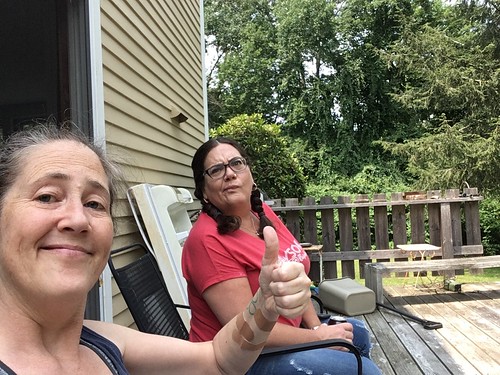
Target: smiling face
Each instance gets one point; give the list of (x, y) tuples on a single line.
[(55, 223), (231, 193)]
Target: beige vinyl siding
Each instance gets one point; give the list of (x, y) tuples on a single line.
[(152, 64)]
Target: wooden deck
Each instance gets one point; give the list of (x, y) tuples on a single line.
[(468, 343)]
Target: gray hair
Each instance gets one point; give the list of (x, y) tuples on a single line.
[(16, 147)]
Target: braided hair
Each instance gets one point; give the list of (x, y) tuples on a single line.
[(225, 223)]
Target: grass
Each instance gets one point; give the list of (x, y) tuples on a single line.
[(489, 275)]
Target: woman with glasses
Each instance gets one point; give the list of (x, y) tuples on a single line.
[(221, 262)]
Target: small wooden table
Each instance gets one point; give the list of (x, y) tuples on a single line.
[(422, 249)]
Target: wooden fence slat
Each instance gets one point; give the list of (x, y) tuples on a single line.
[(381, 224), (363, 228), (456, 221), (311, 234), (346, 236), (293, 217), (434, 219), (328, 236), (398, 224), (471, 213), (417, 226), (446, 236)]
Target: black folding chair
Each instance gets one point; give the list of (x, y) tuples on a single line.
[(154, 311)]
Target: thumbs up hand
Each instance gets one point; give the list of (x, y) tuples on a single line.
[(285, 286)]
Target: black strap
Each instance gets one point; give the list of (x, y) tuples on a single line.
[(427, 324)]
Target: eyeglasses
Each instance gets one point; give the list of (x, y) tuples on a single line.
[(218, 171)]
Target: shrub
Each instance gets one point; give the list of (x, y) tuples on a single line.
[(275, 169), (489, 217)]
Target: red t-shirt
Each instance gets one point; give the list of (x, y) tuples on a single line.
[(209, 258)]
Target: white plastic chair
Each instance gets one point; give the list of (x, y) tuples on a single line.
[(160, 212)]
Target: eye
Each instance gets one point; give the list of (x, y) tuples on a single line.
[(236, 162), (45, 198), (215, 169), (95, 205)]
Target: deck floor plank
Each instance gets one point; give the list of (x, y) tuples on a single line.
[(377, 354), (473, 343), (451, 358), (468, 343), (441, 350), (400, 360)]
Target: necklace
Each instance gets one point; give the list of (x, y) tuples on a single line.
[(252, 230)]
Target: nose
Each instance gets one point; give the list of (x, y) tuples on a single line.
[(74, 217), (228, 173)]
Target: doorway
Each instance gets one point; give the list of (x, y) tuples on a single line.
[(45, 71)]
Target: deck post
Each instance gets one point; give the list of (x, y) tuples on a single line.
[(373, 280)]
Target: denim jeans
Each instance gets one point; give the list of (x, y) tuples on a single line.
[(321, 361)]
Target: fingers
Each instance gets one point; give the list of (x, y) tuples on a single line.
[(290, 288), (292, 306), (340, 331), (285, 285), (271, 254)]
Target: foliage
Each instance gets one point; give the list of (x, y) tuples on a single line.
[(371, 179), (450, 157), (275, 169), (452, 82), (489, 213)]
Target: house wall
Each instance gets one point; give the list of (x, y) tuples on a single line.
[(152, 69)]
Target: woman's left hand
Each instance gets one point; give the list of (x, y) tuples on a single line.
[(285, 286)]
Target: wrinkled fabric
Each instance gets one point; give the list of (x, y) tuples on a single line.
[(322, 361)]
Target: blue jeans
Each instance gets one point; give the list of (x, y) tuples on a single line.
[(321, 361)]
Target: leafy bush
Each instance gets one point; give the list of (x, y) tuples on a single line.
[(370, 180), (275, 169), (489, 217)]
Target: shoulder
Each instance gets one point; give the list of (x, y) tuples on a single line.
[(203, 226)]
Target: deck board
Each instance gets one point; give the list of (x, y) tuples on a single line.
[(468, 343)]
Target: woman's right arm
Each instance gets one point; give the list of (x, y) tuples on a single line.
[(227, 298)]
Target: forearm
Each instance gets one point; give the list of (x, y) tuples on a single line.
[(310, 317), (238, 344)]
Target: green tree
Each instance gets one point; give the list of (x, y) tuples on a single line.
[(316, 68), (242, 80), (452, 83), (275, 170)]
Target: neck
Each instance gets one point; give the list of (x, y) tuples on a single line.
[(250, 224)]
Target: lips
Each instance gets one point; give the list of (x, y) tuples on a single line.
[(231, 187), (66, 247)]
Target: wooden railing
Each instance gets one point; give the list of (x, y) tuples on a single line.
[(371, 229)]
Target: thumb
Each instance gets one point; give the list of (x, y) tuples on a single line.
[(272, 244)]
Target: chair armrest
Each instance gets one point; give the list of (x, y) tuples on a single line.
[(267, 352)]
